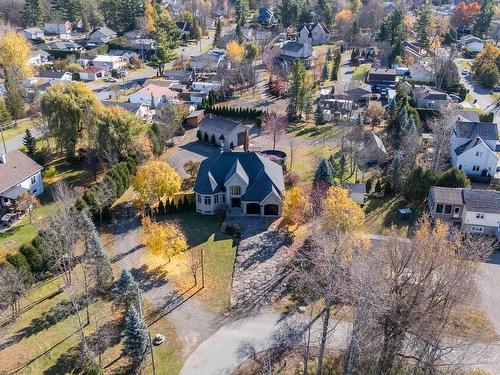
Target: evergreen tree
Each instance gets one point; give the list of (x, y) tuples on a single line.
[(32, 13), (396, 171), (217, 35), (320, 120), (239, 34), (129, 12), (329, 56), (483, 19), (451, 35), (97, 258), (323, 175), (422, 24), (13, 97), (135, 336), (378, 187), (304, 13), (324, 72), (242, 8), (300, 90), (417, 185), (287, 13), (4, 113), (196, 32), (392, 28), (125, 290), (58, 9), (30, 143)]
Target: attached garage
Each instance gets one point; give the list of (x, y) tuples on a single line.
[(271, 210), (253, 209)]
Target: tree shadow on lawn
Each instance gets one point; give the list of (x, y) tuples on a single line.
[(149, 279)]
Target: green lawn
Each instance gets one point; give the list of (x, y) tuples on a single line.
[(381, 214), (14, 130), (359, 72)]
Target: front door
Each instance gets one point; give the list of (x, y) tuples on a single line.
[(235, 203), (456, 212)]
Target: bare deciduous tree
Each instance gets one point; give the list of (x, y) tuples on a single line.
[(274, 126)]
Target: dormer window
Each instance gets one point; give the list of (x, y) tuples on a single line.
[(235, 190)]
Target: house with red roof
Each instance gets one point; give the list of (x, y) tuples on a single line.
[(91, 73)]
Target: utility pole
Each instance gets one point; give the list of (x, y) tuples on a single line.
[(202, 268), (139, 302), (3, 139)]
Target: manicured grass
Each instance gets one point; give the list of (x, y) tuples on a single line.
[(464, 64), (359, 72), (13, 130), (203, 235), (381, 214)]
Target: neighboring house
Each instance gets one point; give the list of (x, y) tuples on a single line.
[(266, 17), (314, 34), (221, 132), (101, 35), (61, 46), (139, 109), (374, 150), (153, 95), (412, 52), (143, 45), (54, 76), (91, 73), (185, 27), (57, 27), (241, 182), (426, 97), (326, 93), (18, 174), (472, 43), (109, 62), (208, 61), (474, 147), (197, 97), (33, 33), (473, 210), (38, 57), (357, 192), (421, 73), (185, 77), (381, 78), (357, 92), (195, 117), (292, 51), (206, 87)]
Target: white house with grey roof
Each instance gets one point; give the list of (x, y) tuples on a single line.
[(474, 147), (473, 210), (245, 183), (19, 174), (427, 97), (314, 34), (101, 35), (221, 132), (292, 51)]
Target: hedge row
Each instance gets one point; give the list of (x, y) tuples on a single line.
[(249, 113), (33, 260), (99, 198), (172, 206)]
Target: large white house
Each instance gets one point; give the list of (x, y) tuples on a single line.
[(474, 210), (18, 174), (474, 147), (109, 62), (244, 183), (153, 95)]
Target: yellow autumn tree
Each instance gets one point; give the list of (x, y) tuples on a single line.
[(341, 212), (14, 52), (235, 52), (155, 180), (294, 205), (150, 15), (163, 239)]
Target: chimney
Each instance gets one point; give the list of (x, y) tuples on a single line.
[(3, 158)]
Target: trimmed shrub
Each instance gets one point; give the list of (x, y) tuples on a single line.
[(33, 258)]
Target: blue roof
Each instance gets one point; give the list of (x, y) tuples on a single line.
[(260, 173)]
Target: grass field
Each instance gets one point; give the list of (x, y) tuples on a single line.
[(359, 72), (15, 130)]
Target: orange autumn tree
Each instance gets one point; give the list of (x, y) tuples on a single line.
[(163, 239), (155, 180), (341, 212), (464, 14)]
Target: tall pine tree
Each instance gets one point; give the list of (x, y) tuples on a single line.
[(483, 19), (323, 174), (32, 13), (30, 143), (217, 35), (135, 336), (324, 72), (125, 290), (422, 24)]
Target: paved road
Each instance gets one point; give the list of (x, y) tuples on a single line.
[(485, 101), (16, 142)]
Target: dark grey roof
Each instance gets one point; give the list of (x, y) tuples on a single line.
[(184, 26), (263, 175), (487, 201), (51, 74), (310, 27), (471, 130), (379, 74), (292, 47), (447, 195), (466, 115), (106, 31), (130, 107), (468, 145), (195, 113), (220, 124), (355, 188), (178, 74)]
